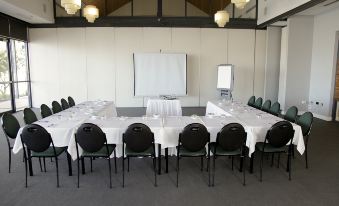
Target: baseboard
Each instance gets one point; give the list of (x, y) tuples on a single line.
[(323, 117)]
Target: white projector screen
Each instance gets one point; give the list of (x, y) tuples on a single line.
[(225, 77), (157, 74)]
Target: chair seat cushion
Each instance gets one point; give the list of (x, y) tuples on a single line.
[(101, 153), (49, 152), (269, 148), (185, 152), (220, 151), (147, 152)]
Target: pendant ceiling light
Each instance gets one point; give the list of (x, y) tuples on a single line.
[(240, 4), (71, 6), (91, 13), (221, 18)]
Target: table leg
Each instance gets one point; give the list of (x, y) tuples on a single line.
[(30, 162), (83, 165), (69, 160), (166, 156), (159, 159)]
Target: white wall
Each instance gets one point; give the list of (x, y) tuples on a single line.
[(324, 49), (268, 9), (32, 11), (97, 63)]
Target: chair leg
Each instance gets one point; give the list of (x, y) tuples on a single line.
[(278, 161), (202, 163), (127, 164), (123, 170), (261, 165), (40, 164), (177, 170), (91, 164), (110, 172), (57, 169), (26, 172), (209, 166), (232, 163), (306, 158), (289, 166), (44, 159), (51, 159), (243, 158), (155, 171), (115, 161), (213, 175), (272, 160), (78, 163), (9, 160)]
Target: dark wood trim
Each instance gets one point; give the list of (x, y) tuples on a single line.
[(291, 12), (190, 22)]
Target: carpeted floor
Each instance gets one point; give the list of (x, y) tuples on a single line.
[(318, 185)]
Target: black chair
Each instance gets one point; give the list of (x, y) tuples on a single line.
[(231, 142), (266, 106), (291, 114), (93, 142), (306, 121), (56, 107), (251, 101), (11, 127), (277, 137), (36, 142), (138, 141), (71, 101), (275, 109), (29, 116), (64, 104), (192, 143), (45, 111), (258, 103)]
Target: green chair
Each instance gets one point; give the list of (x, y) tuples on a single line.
[(29, 116), (71, 101), (192, 143), (138, 141), (37, 142), (251, 101), (56, 107), (266, 106), (277, 137), (11, 127), (45, 111), (230, 142), (64, 104), (258, 103), (291, 114), (275, 109), (305, 121), (93, 142)]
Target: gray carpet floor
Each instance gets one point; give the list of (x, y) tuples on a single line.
[(318, 185)]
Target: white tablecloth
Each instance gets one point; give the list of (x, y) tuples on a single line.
[(62, 125), (255, 122), (163, 107)]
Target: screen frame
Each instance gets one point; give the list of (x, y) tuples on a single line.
[(232, 78)]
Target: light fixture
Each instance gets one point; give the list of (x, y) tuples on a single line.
[(71, 6), (221, 18), (91, 13), (240, 4)]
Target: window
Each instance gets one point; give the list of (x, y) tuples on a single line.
[(14, 76)]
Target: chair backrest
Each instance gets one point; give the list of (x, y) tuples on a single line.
[(291, 114), (305, 121), (266, 106), (275, 109), (64, 104), (251, 101), (138, 137), (232, 137), (258, 103), (280, 134), (194, 137), (90, 137), (71, 101), (29, 116), (36, 138), (10, 125), (56, 107), (45, 111)]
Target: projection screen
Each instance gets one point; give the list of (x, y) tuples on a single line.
[(157, 74)]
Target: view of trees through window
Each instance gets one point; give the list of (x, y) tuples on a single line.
[(14, 78)]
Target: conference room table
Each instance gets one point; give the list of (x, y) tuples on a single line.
[(61, 126)]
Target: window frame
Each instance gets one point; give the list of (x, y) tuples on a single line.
[(12, 82)]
